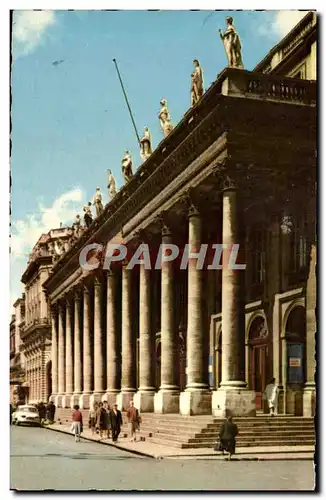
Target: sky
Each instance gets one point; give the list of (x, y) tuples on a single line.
[(70, 122)]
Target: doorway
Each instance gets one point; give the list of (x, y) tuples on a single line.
[(260, 363)]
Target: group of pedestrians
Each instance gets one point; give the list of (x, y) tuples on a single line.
[(106, 421), (46, 412)]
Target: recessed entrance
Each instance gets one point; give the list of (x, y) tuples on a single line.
[(260, 359)]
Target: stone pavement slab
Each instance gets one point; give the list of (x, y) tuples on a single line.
[(159, 451)]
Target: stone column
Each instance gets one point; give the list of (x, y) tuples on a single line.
[(87, 352), (232, 397), (309, 394), (112, 373), (99, 355), (54, 354), (66, 400), (166, 400), (196, 399), (128, 379), (78, 366), (61, 355), (144, 399)]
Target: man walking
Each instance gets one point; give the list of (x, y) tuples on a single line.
[(271, 394), (133, 421), (116, 422), (228, 433)]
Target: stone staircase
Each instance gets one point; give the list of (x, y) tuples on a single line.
[(201, 431)]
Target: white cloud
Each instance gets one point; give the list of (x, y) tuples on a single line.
[(280, 23), (30, 27), (286, 20), (25, 233)]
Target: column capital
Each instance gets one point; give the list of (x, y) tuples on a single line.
[(53, 310), (228, 183), (77, 294)]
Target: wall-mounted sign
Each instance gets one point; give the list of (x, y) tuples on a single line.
[(295, 362)]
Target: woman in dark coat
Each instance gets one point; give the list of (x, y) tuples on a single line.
[(101, 419), (228, 432)]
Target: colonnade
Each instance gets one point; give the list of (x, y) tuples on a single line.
[(92, 344)]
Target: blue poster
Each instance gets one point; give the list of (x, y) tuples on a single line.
[(295, 363)]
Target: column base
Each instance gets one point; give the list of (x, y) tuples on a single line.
[(75, 399), (123, 400), (196, 402), (144, 401), (230, 401), (309, 401), (84, 400), (96, 397), (66, 401), (110, 397), (166, 401)]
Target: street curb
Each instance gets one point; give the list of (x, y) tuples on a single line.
[(136, 452), (188, 457)]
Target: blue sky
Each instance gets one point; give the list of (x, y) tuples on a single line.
[(70, 122)]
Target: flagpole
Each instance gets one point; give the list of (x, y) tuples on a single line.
[(127, 102)]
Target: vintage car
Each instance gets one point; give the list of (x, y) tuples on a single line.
[(26, 414)]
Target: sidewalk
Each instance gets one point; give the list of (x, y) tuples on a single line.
[(153, 450)]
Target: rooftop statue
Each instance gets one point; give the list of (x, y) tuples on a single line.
[(98, 202), (146, 145), (232, 44), (127, 167), (60, 247), (88, 217), (112, 185), (197, 83), (77, 227), (164, 117)]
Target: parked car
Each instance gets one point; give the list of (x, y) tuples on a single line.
[(26, 414)]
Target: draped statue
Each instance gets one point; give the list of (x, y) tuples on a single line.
[(232, 44), (146, 145), (97, 202), (197, 83), (112, 185), (127, 167), (164, 117)]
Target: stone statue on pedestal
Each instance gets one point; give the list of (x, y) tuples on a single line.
[(127, 167), (60, 247), (164, 117), (77, 227), (112, 186), (197, 83), (232, 44), (88, 218), (98, 202), (146, 145)]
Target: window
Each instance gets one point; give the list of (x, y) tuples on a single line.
[(257, 251), (300, 72), (298, 246)]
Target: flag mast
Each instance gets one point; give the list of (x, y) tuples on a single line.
[(127, 102)]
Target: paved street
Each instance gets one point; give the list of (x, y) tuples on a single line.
[(43, 459)]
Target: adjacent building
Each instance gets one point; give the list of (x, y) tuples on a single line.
[(17, 359)]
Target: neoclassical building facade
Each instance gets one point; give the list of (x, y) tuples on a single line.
[(239, 169)]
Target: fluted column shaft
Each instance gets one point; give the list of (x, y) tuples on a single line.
[(61, 350), (87, 355), (54, 353), (146, 382), (233, 314), (168, 332), (195, 330), (78, 373), (69, 349), (111, 335), (98, 340), (128, 379)]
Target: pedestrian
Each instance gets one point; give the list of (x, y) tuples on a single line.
[(42, 411), (116, 422), (100, 418), (271, 394), (107, 424), (228, 432), (133, 421), (77, 423), (92, 418), (50, 411)]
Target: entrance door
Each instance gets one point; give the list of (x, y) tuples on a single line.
[(259, 373), (259, 362)]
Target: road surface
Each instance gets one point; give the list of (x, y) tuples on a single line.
[(46, 460)]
